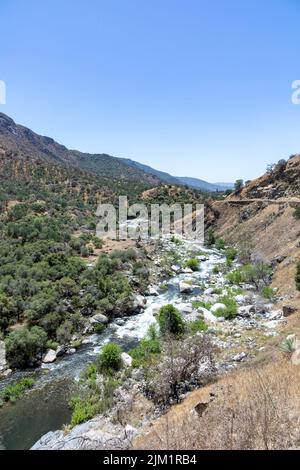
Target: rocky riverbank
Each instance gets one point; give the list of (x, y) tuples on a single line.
[(198, 295)]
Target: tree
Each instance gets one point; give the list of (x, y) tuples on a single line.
[(170, 321), (24, 347), (238, 185), (109, 360)]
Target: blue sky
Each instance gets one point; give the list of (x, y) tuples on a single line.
[(197, 88)]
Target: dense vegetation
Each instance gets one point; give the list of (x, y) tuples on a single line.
[(47, 227)]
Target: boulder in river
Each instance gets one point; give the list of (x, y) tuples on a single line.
[(185, 288), (153, 291), (139, 302), (61, 351), (99, 318), (50, 357)]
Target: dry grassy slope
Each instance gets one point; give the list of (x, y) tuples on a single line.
[(256, 407), (262, 215)]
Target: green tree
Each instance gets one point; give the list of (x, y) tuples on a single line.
[(23, 347), (238, 185), (170, 321), (109, 360)]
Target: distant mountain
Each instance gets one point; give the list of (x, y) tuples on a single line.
[(194, 183), (25, 143), (166, 177), (225, 185), (199, 184)]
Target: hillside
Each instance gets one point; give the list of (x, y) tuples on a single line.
[(20, 140), (194, 183), (261, 218), (26, 143)]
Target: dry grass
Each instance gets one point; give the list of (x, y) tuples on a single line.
[(258, 408)]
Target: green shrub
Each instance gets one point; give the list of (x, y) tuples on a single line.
[(297, 213), (15, 391), (198, 325), (235, 277), (220, 244), (148, 348), (211, 240), (176, 240), (216, 269), (82, 411), (269, 293), (217, 291), (24, 346), (230, 254), (193, 264), (170, 321), (109, 360), (199, 303), (99, 328), (231, 308)]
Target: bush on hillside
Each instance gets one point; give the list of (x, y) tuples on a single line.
[(23, 347), (109, 360), (170, 321)]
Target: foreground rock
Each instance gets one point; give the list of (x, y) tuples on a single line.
[(97, 434)]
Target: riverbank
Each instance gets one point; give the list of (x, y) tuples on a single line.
[(237, 341)]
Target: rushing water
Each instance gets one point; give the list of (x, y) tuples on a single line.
[(45, 407)]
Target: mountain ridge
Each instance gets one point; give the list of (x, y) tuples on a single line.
[(25, 142)]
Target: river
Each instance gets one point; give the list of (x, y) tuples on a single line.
[(45, 407)]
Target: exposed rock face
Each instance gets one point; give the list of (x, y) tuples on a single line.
[(97, 434), (3, 363)]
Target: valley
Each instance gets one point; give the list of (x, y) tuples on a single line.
[(103, 343)]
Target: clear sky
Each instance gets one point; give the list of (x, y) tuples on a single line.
[(197, 88)]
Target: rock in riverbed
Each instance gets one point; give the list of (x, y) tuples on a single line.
[(99, 318), (185, 288), (49, 357)]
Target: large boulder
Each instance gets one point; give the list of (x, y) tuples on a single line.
[(246, 311), (139, 302), (153, 291), (207, 315), (99, 318), (185, 288), (126, 359), (50, 357), (97, 434), (217, 307)]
